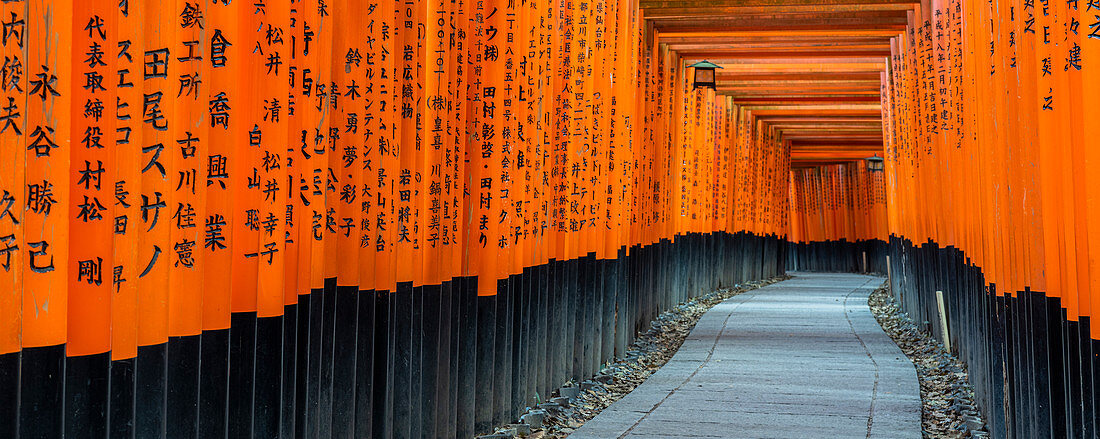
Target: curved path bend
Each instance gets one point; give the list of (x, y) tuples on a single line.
[(803, 358)]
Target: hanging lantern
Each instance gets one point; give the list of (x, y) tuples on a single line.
[(874, 163), (704, 74)]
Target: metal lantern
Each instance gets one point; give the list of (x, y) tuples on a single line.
[(704, 74), (874, 163)]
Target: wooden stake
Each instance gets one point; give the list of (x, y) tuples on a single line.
[(890, 277), (943, 321)]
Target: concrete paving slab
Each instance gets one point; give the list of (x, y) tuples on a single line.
[(803, 358)]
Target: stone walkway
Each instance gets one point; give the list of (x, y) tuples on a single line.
[(803, 358)]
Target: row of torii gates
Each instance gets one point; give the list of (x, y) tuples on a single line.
[(415, 218)]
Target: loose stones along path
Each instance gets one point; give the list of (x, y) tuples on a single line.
[(802, 358)]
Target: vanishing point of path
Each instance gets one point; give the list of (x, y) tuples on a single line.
[(803, 358)]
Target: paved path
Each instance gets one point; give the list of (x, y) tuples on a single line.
[(803, 358)]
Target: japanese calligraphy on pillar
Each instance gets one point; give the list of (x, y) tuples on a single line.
[(46, 216), (91, 179), (13, 129)]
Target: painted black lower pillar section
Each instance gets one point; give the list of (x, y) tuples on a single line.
[(344, 356), (9, 394), (429, 360), (288, 383), (484, 367), (310, 396), (151, 391), (182, 398), (41, 387), (1094, 358), (1071, 353), (467, 394), (242, 361), (402, 367), (541, 308), (365, 364), (502, 362), (302, 388), (416, 353), (120, 419), (268, 377), (574, 316), (1085, 355), (87, 379), (382, 388), (444, 402), (213, 384), (328, 338)]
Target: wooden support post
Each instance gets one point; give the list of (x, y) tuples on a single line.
[(943, 321), (890, 278)]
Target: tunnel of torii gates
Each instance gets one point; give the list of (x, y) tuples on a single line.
[(336, 218)]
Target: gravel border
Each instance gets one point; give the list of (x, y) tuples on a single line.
[(946, 397)]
